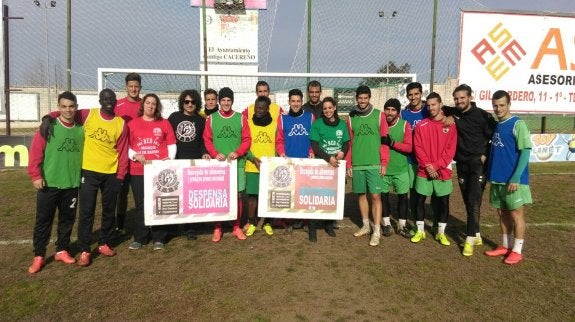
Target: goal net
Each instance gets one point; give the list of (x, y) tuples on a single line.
[(168, 84)]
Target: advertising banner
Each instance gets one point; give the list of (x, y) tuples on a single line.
[(301, 188), (188, 191), (532, 56), (552, 147)]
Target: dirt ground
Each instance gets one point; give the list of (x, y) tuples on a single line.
[(287, 278)]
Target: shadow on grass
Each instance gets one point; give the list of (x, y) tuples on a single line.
[(456, 228)]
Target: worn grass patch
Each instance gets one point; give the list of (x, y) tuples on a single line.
[(287, 278)]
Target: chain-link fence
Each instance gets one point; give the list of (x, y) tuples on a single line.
[(345, 37)]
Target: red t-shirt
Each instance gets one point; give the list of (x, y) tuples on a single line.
[(434, 145), (150, 138), (127, 110)]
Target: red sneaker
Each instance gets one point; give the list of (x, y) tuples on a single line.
[(106, 250), (37, 265), (217, 236), (84, 259), (64, 256), (513, 258), (238, 233), (499, 251)]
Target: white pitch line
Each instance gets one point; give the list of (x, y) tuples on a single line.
[(543, 224), (341, 226)]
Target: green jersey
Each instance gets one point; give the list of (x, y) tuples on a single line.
[(227, 134), (397, 160), (62, 164), (330, 138), (366, 138)]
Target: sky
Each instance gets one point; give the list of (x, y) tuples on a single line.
[(347, 36)]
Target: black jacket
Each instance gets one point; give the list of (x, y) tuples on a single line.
[(316, 110), (474, 131)]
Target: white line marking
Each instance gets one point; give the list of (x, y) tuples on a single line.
[(552, 173), (341, 226)]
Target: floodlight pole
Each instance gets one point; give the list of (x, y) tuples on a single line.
[(69, 45), (52, 5), (308, 56), (205, 40), (385, 19), (6, 48), (47, 56), (433, 38)]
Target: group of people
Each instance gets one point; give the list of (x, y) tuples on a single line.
[(75, 154)]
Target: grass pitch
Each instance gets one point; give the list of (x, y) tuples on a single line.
[(287, 278)]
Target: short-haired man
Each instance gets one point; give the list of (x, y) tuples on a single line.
[(313, 104), (127, 108), (227, 137), (366, 126), (263, 128), (508, 173), (474, 131), (434, 146), (400, 145), (263, 89), (292, 138), (55, 167), (415, 112), (211, 99)]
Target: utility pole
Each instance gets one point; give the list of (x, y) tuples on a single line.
[(6, 48)]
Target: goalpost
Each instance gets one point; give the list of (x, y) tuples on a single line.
[(167, 84)]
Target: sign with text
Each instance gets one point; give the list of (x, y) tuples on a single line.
[(232, 38), (531, 56), (552, 147), (301, 188), (188, 191)]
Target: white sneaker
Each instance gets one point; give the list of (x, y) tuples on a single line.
[(362, 231), (374, 241)]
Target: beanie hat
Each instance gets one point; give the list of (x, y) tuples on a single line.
[(226, 92), (393, 103)]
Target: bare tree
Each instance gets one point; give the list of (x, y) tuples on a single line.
[(389, 68)]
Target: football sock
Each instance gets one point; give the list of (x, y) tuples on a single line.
[(505, 240), (365, 222), (441, 228), (420, 225), (402, 223), (386, 221), (518, 247)]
